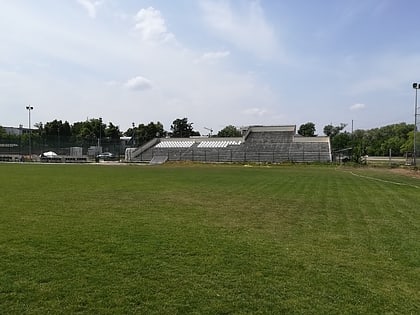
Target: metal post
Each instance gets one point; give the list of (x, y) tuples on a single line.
[(390, 157), (416, 86), (29, 108), (20, 141), (100, 135), (134, 135), (58, 139)]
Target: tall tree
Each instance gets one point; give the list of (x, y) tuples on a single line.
[(57, 127), (408, 145), (112, 132), (229, 131), (144, 133), (331, 131), (181, 128), (341, 141), (3, 133), (307, 130), (89, 130)]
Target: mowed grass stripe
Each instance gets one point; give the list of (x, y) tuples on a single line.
[(206, 239)]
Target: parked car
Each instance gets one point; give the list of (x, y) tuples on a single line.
[(106, 156)]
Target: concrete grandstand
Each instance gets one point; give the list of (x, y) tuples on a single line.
[(264, 144)]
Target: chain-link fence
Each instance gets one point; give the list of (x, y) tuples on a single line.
[(34, 145), (235, 155)]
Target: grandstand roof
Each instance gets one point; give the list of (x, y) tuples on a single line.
[(289, 128)]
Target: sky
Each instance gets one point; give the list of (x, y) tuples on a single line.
[(215, 62)]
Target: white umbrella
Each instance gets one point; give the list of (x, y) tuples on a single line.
[(49, 154)]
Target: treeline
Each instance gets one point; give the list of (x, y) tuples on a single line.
[(63, 134), (85, 133), (397, 138), (92, 132)]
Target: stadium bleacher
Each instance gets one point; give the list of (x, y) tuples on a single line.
[(266, 144), (217, 144), (175, 144)]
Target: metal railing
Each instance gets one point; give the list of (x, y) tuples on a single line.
[(234, 156)]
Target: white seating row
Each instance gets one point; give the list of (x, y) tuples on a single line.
[(175, 144), (217, 144)]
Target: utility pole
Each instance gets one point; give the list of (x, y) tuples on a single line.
[(29, 108), (416, 86), (100, 135), (134, 134), (211, 131)]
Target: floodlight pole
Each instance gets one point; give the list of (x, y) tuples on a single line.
[(100, 134), (416, 86), (134, 135), (29, 108)]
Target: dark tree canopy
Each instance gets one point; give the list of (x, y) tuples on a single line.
[(89, 130), (307, 130), (181, 128), (397, 137), (229, 131), (377, 142), (144, 133), (2, 132), (57, 127), (341, 141), (156, 130), (331, 131), (112, 132)]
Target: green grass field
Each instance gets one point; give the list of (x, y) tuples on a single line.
[(208, 239)]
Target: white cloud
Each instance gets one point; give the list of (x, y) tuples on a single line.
[(357, 106), (212, 57), (151, 25), (211, 96), (138, 83), (90, 7), (247, 29)]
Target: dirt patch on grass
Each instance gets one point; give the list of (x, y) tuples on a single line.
[(406, 172)]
